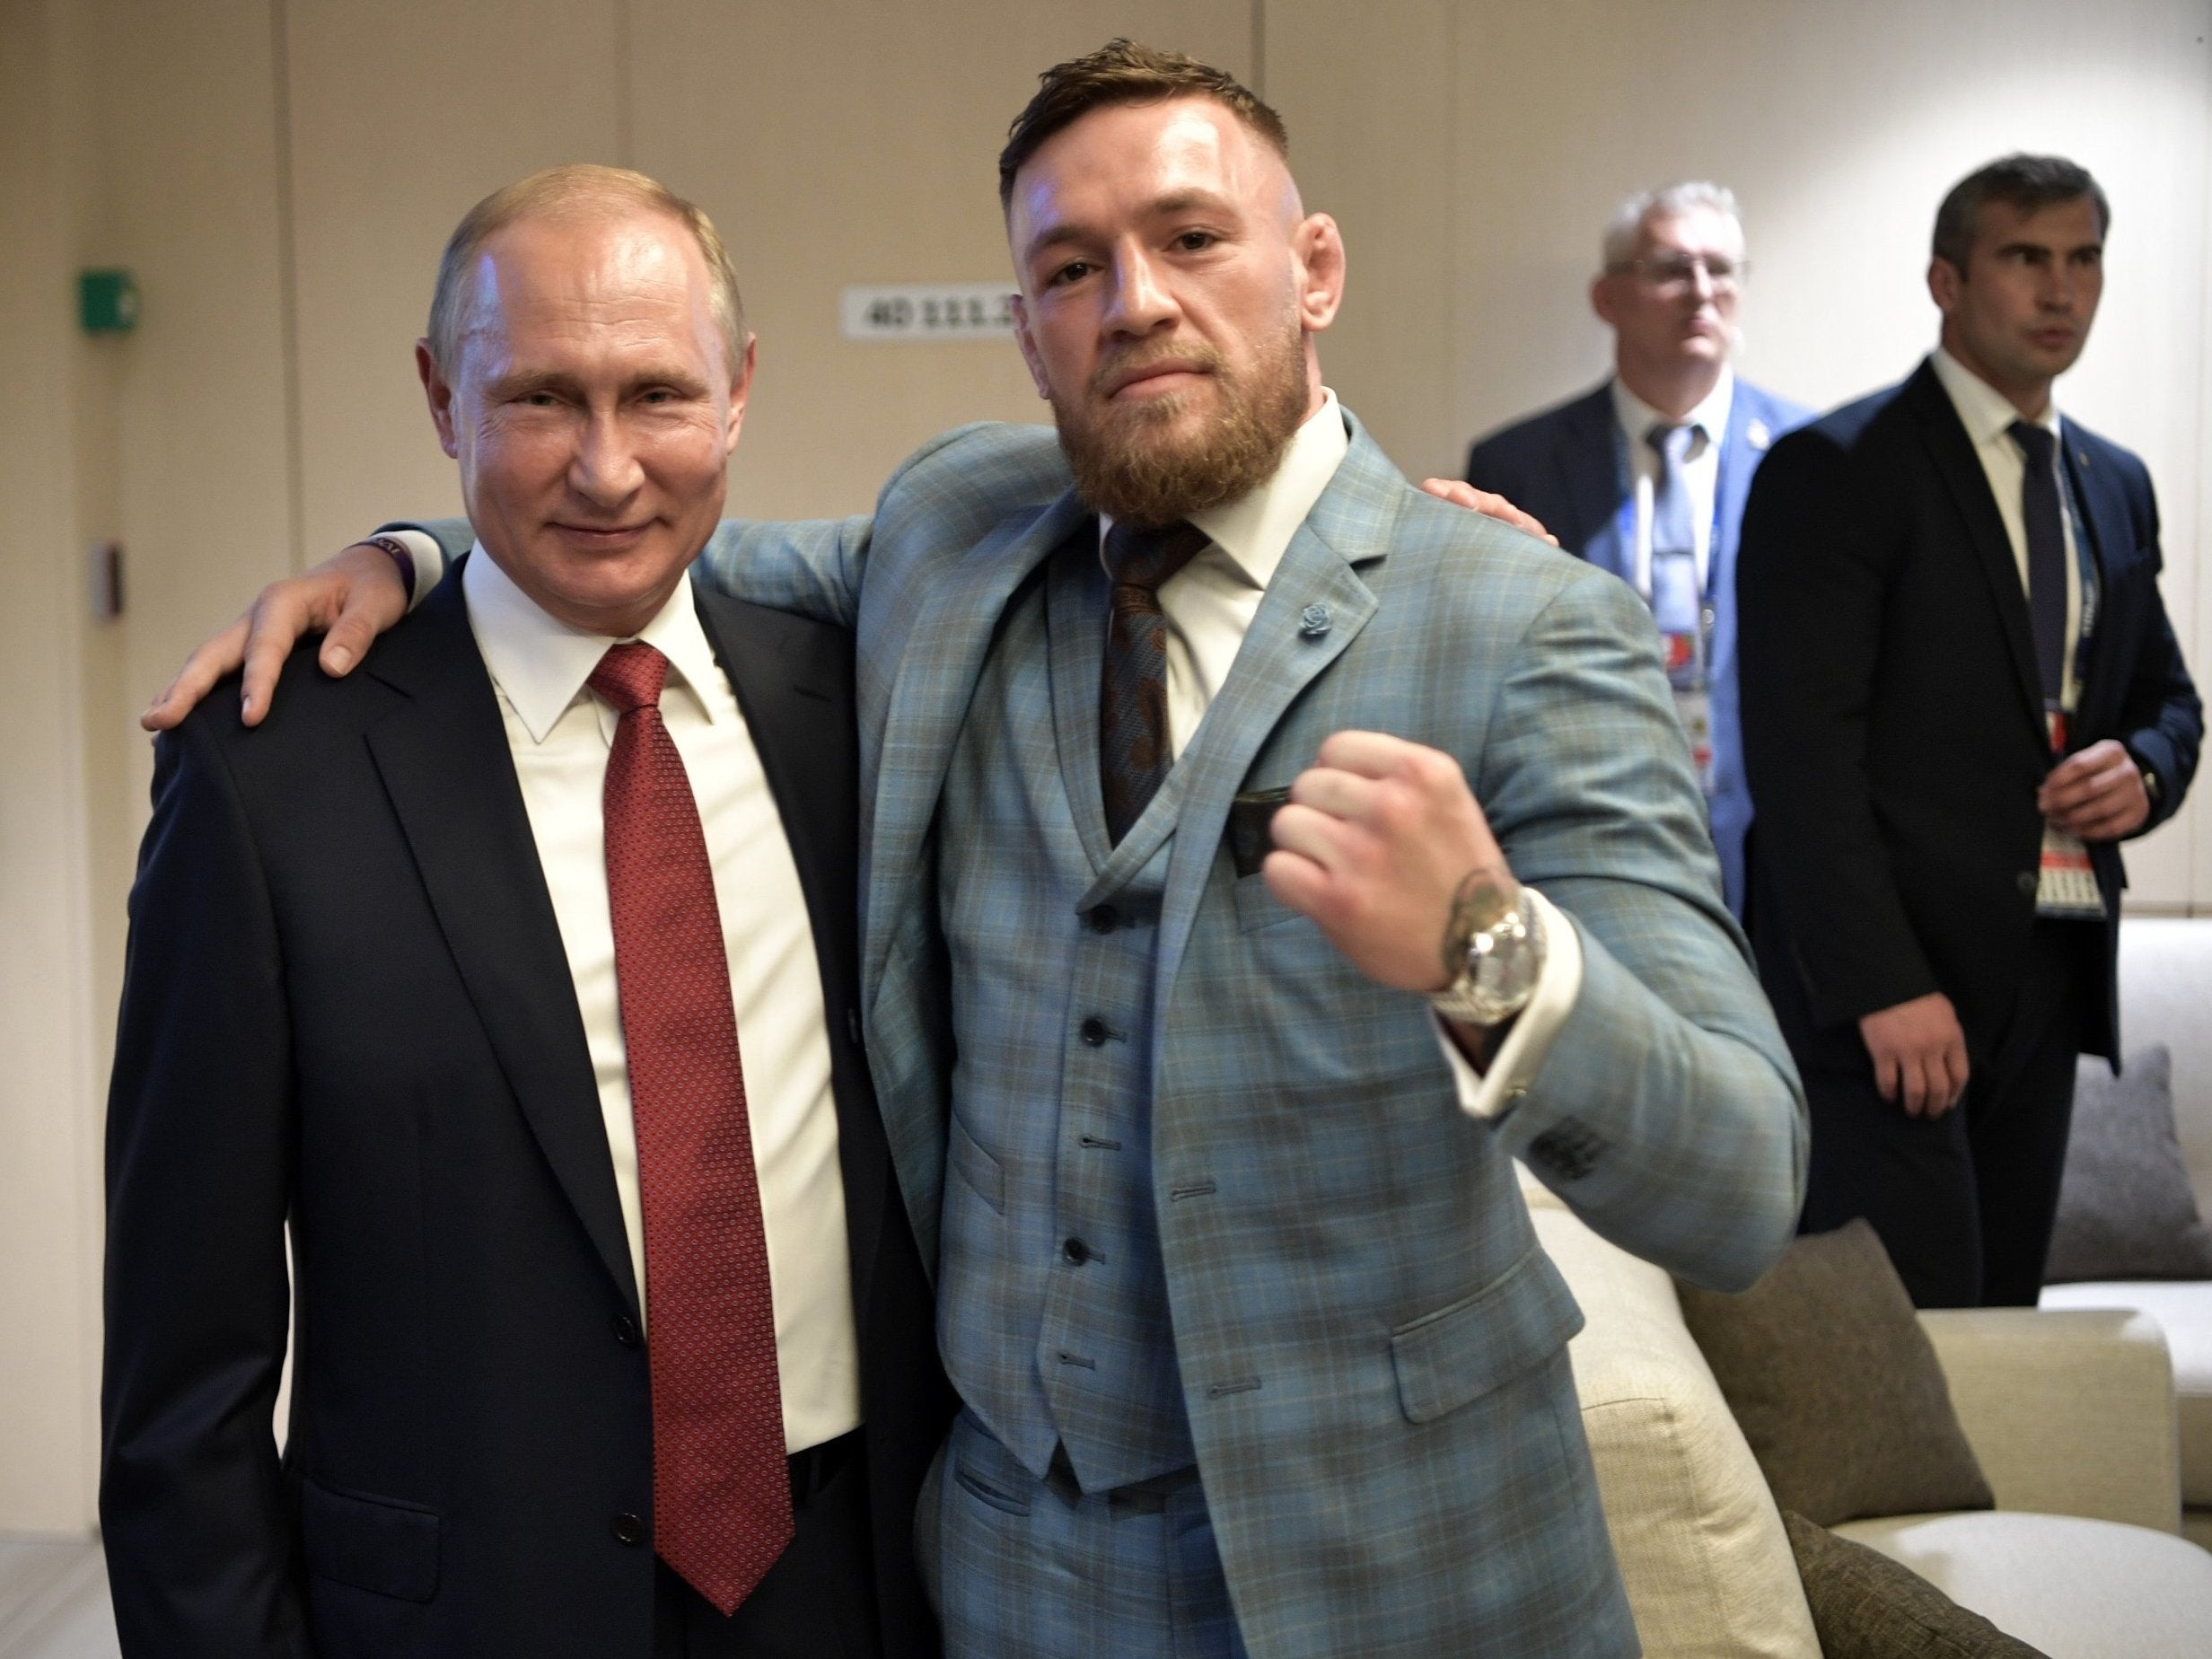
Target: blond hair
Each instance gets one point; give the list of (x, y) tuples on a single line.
[(580, 188)]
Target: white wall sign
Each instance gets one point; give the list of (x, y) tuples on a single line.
[(929, 310)]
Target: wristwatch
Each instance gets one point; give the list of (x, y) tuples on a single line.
[(1495, 940)]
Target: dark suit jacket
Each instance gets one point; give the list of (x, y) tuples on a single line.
[(347, 1008), (1564, 466), (1892, 717)]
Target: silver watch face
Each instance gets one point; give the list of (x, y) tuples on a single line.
[(1504, 974), (1503, 963)]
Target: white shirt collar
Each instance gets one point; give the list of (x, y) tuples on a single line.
[(1637, 418), (1986, 413), (541, 664), (1256, 528)]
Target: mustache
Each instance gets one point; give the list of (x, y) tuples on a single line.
[(1135, 359)]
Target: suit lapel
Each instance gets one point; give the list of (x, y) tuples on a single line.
[(938, 666), (1589, 462), (445, 764), (1968, 485), (1742, 448), (797, 694), (1314, 607), (2105, 520), (1075, 609)]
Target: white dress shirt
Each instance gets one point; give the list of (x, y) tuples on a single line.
[(1209, 605), (1700, 467), (1988, 414), (560, 732)]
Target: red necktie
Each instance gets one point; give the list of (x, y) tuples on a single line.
[(721, 1486)]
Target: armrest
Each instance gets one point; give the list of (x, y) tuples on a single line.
[(2070, 1412)]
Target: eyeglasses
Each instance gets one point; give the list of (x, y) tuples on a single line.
[(1675, 272)]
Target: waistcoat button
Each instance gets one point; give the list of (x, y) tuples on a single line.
[(628, 1529), (1076, 1251), (1094, 1030)]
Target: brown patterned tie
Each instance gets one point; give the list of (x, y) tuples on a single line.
[(1134, 750), (721, 1484)]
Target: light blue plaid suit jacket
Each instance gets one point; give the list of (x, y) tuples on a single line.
[(1371, 1342)]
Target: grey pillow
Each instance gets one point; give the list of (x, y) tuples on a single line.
[(2126, 1210), (1867, 1606), (1836, 1386)]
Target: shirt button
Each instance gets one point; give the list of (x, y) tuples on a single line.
[(1094, 1031), (1105, 918), (626, 1330), (628, 1529), (1076, 1251)]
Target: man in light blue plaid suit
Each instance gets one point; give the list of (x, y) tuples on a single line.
[(1259, 1352)]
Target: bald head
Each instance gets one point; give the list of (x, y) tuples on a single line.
[(588, 198)]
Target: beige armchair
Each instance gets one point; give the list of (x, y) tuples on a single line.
[(2071, 1416)]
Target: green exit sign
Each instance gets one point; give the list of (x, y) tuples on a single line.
[(106, 302)]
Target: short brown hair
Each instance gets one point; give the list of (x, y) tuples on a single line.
[(579, 188), (2024, 183), (1122, 72)]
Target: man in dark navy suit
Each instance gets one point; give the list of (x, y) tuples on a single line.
[(1646, 475), (518, 976), (1960, 693)]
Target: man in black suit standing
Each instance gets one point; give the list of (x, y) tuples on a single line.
[(1960, 693), (518, 976)]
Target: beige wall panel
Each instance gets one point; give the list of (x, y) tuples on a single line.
[(854, 141), (187, 96), (1840, 128), (404, 113), (1369, 96), (160, 156), (49, 1199)]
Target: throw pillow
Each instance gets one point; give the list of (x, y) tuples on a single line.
[(1836, 1386), (1867, 1606), (2126, 1210)]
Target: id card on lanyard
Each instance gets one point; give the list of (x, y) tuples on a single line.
[(1681, 606)]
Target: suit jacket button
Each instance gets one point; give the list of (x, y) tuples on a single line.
[(626, 1330), (1093, 1032), (1076, 1251), (628, 1529), (1105, 918), (2027, 883)]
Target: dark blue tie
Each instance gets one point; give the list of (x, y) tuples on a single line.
[(2039, 512), (1134, 749)]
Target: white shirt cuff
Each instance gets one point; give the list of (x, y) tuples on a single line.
[(1512, 1070), (429, 560)]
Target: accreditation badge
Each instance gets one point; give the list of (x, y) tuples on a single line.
[(2065, 884)]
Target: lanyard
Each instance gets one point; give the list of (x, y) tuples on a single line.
[(1624, 520)]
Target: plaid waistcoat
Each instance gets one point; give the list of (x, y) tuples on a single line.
[(1053, 1303)]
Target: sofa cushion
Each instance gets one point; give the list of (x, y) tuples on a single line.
[(2075, 1589), (1867, 1606), (2183, 1311), (1700, 1543), (1836, 1386), (2165, 963), (2126, 1210)]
